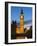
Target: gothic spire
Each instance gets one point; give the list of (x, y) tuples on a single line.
[(21, 11)]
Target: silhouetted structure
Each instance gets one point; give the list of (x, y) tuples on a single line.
[(29, 33), (25, 29), (21, 11), (13, 30)]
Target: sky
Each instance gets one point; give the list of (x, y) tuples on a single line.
[(15, 13)]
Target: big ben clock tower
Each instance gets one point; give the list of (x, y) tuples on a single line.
[(21, 22)]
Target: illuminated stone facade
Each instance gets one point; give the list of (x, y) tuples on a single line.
[(21, 24)]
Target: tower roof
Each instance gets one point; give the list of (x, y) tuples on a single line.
[(21, 11)]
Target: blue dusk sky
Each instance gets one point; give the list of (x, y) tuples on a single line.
[(15, 13)]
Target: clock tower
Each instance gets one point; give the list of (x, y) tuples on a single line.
[(21, 22)]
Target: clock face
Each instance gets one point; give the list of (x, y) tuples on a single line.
[(21, 16)]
